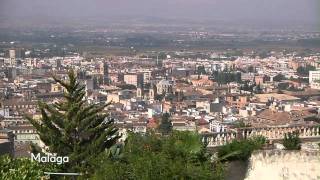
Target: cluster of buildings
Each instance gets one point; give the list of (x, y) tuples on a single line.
[(141, 90)]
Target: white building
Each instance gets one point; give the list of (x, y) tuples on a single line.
[(216, 126), (314, 79), (164, 86)]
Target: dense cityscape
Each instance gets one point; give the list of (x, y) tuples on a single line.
[(159, 101)]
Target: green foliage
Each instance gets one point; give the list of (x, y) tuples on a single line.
[(180, 155), (258, 89), (247, 86), (75, 129), (201, 70), (251, 69), (23, 168), (313, 118), (165, 124), (244, 147), (286, 86), (240, 124), (292, 141), (234, 52), (227, 77), (162, 55), (279, 77), (251, 87), (303, 80), (283, 86), (115, 152), (304, 71), (160, 97)]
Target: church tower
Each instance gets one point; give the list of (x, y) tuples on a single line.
[(140, 93), (152, 91)]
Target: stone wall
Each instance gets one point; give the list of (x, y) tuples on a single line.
[(276, 164)]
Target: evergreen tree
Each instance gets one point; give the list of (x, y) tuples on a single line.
[(304, 71), (74, 128), (279, 77), (165, 126), (225, 77), (201, 70)]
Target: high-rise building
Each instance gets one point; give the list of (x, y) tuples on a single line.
[(12, 57), (146, 76), (95, 82), (152, 91), (11, 73), (1, 62), (89, 84), (82, 74), (59, 63), (133, 79), (106, 73), (314, 79), (12, 53), (16, 56), (159, 62)]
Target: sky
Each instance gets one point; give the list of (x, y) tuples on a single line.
[(265, 12)]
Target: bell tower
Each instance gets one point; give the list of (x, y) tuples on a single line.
[(140, 92), (152, 91)]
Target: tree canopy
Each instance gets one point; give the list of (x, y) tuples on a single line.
[(224, 77), (304, 71)]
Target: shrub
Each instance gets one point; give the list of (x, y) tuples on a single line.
[(180, 155), (244, 147), (23, 168), (292, 141)]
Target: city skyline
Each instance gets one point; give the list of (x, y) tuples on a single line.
[(160, 89)]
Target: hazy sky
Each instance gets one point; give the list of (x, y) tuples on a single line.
[(247, 11)]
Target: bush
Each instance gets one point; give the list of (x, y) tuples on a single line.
[(243, 147), (180, 155), (292, 141), (22, 168)]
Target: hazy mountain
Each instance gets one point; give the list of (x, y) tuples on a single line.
[(260, 13)]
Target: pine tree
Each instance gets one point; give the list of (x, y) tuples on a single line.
[(74, 128)]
